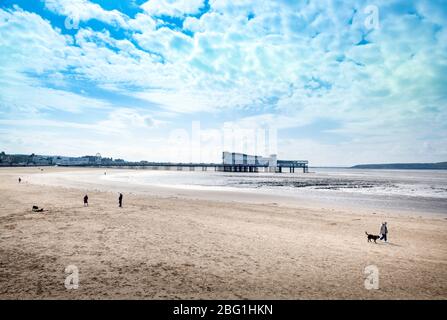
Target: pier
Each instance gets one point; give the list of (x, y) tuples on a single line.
[(281, 168)]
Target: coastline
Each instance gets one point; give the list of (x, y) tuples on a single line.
[(181, 246), (125, 180)]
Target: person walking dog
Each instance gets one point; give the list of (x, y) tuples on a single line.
[(384, 232)]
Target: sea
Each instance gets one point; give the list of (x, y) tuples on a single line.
[(423, 191)]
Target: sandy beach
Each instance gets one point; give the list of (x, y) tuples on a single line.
[(169, 246)]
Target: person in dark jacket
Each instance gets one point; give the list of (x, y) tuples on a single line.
[(120, 200), (86, 201), (383, 232), (20, 180)]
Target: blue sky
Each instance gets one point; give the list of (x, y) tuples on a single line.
[(338, 82)]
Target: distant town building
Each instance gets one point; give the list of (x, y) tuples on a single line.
[(70, 161)]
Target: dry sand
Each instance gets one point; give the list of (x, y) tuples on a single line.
[(175, 248)]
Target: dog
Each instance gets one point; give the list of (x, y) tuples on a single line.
[(36, 209), (372, 237)]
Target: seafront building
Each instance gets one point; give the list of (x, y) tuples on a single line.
[(241, 162), (234, 159)]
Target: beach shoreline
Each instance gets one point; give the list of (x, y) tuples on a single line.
[(127, 180), (181, 245)]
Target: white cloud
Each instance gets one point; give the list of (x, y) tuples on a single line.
[(84, 10), (187, 101), (172, 45), (29, 43), (142, 22), (125, 119), (173, 8)]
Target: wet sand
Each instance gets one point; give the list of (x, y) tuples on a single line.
[(174, 247)]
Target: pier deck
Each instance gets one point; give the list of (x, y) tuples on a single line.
[(282, 166)]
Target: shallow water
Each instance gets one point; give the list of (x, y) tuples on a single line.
[(385, 182), (404, 190)]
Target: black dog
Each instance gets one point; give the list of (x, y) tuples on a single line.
[(36, 209), (372, 237)]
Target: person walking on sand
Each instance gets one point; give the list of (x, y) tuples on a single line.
[(86, 201), (384, 232), (120, 200), (20, 179)]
